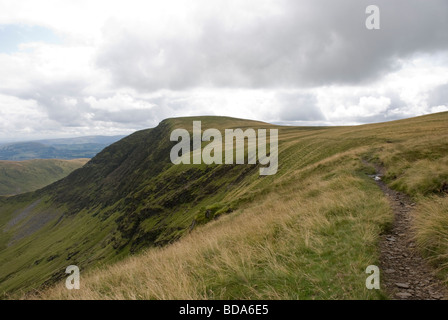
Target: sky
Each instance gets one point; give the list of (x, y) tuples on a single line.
[(74, 68)]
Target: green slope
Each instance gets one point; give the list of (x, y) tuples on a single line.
[(126, 198), (24, 176), (320, 213)]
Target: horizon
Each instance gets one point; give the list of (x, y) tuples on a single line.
[(284, 124)]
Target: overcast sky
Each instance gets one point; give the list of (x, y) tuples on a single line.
[(72, 68)]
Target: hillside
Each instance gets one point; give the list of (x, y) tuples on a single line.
[(224, 231), (67, 149), (25, 176)]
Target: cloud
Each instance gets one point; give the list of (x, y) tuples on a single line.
[(123, 66), (439, 95), (298, 107), (306, 43)]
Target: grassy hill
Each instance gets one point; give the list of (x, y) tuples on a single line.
[(139, 227), (25, 176)]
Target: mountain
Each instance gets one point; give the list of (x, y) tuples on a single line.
[(68, 149), (140, 227), (127, 198), (25, 176)]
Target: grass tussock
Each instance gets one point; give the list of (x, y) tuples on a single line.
[(431, 231)]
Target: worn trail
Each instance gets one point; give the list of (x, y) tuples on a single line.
[(405, 275)]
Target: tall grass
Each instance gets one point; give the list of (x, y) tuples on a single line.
[(308, 232), (431, 231), (416, 161), (315, 245)]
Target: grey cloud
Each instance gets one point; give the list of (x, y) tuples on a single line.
[(134, 117), (397, 109), (299, 107), (311, 43), (439, 96), (308, 44), (57, 107), (65, 105)]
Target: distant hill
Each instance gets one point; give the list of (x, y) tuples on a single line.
[(24, 176), (66, 149)]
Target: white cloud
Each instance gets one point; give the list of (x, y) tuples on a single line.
[(439, 109), (367, 107), (19, 116), (118, 102)]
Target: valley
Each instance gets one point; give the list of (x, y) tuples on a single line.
[(29, 175)]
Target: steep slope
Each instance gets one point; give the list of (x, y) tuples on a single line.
[(307, 232), (128, 197), (25, 176)]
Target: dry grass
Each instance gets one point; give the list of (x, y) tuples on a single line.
[(310, 235), (314, 245), (431, 230)]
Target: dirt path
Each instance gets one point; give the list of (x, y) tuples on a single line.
[(405, 275)]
